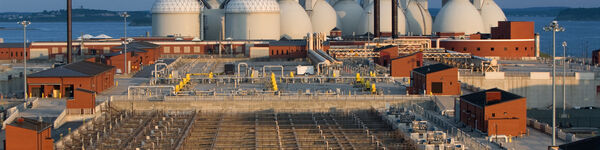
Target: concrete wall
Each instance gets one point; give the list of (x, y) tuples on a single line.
[(247, 106), (581, 89)]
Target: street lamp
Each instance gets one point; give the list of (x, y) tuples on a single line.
[(554, 27), (125, 15), (564, 114), (25, 24)]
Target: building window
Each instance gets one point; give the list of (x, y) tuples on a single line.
[(505, 113), (525, 48), (516, 48), (505, 48), (465, 49), (478, 49), (493, 114), (492, 49), (453, 48)]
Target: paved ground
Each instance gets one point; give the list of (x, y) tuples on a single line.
[(536, 140)]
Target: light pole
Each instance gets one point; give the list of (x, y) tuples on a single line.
[(554, 27), (125, 15), (564, 114), (25, 24)]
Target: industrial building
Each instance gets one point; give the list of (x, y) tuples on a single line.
[(83, 102), (12, 51), (403, 65), (27, 133), (494, 111), (62, 81), (437, 79)]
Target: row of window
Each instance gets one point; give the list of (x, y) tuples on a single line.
[(285, 52), (13, 54), (493, 48)]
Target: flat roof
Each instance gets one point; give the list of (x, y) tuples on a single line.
[(432, 68), (78, 69), (589, 143), (12, 45), (479, 98), (31, 124)]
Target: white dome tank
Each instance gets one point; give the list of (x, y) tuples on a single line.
[(176, 18), (458, 16), (323, 17), (213, 27), (385, 20), (491, 14), (349, 13), (418, 19), (295, 23), (213, 4), (252, 20)]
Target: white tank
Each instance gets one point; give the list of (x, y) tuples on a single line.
[(295, 23), (176, 18), (458, 16), (323, 17), (418, 19), (212, 23), (350, 14), (385, 20), (252, 20), (491, 14), (213, 4)]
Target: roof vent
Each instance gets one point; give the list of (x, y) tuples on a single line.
[(493, 96)]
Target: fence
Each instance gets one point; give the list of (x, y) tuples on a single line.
[(270, 98), (450, 129), (13, 113), (546, 128)]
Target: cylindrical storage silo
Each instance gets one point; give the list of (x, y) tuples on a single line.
[(252, 20), (349, 13), (295, 23), (367, 23), (458, 16), (176, 18), (323, 17)]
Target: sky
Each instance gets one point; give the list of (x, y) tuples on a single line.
[(133, 5)]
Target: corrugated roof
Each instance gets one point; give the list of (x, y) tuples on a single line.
[(31, 124), (78, 69), (129, 50), (432, 68), (479, 98), (12, 45), (288, 43), (140, 45)]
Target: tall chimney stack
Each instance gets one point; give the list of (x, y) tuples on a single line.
[(377, 18), (394, 18), (69, 32)]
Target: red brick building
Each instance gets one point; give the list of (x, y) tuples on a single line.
[(403, 65), (83, 102), (11, 51), (438, 79), (495, 112), (386, 54), (29, 134), (135, 58), (511, 39), (62, 81), (148, 52), (288, 49)]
